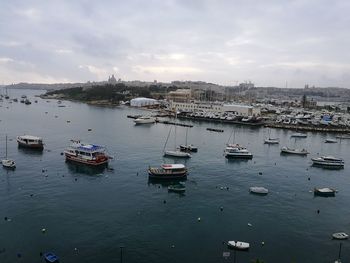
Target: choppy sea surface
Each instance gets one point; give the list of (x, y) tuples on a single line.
[(89, 214)]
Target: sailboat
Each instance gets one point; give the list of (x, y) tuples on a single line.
[(176, 152), (8, 163), (235, 150), (271, 140), (188, 147)]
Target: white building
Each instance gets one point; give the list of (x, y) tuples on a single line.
[(142, 102), (239, 109)]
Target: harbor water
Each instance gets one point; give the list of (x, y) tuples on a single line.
[(87, 215)]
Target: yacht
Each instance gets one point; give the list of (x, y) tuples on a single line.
[(29, 141), (90, 154), (237, 151), (145, 120), (294, 151), (168, 171), (329, 161), (324, 191), (330, 140)]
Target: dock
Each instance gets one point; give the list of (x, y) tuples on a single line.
[(310, 128)]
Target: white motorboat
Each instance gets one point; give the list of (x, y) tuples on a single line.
[(294, 151), (145, 120), (237, 151), (239, 245), (272, 141), (8, 163), (326, 191), (329, 161), (299, 135), (168, 171), (340, 236), (329, 140), (258, 190)]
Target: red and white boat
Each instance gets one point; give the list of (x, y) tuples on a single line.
[(90, 154), (29, 141)]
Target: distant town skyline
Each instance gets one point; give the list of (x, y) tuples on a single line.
[(271, 43)]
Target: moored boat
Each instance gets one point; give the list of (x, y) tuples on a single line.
[(177, 153), (188, 148), (324, 192), (294, 151), (237, 151), (329, 140), (168, 171), (145, 120), (258, 190), (272, 141), (239, 245), (29, 141), (178, 188), (329, 161), (340, 236), (8, 163), (299, 135), (51, 258), (90, 154)]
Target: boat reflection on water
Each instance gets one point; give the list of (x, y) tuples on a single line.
[(77, 168), (31, 151)]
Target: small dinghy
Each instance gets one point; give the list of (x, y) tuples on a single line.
[(258, 190), (50, 257), (340, 236), (178, 188), (324, 192), (238, 245), (331, 140)]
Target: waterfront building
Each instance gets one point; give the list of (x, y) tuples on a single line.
[(215, 107)]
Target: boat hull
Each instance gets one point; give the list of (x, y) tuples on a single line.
[(100, 161), (238, 156), (38, 147), (177, 154), (167, 176)]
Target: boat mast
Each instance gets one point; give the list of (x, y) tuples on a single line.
[(186, 135), (167, 138), (6, 148), (228, 141), (175, 138)]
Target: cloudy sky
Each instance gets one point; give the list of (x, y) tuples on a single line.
[(222, 41)]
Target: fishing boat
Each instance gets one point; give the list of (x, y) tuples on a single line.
[(329, 140), (328, 161), (340, 236), (177, 188), (176, 152), (145, 120), (90, 154), (299, 135), (51, 258), (258, 190), (168, 171), (288, 150), (188, 147), (239, 245), (29, 141), (324, 192), (8, 163)]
